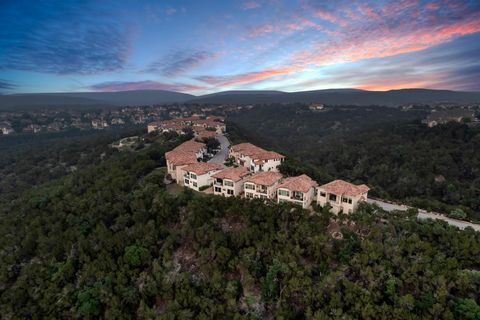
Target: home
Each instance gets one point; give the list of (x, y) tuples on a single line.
[(255, 158), (6, 129), (341, 195), (198, 175), (299, 190), (229, 181), (442, 117), (262, 185), (187, 153), (99, 124)]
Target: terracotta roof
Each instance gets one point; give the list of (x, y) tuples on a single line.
[(190, 146), (180, 158), (203, 134), (232, 173), (265, 178), (202, 167), (255, 152), (340, 187), (301, 183)]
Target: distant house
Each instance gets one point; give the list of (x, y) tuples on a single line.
[(99, 124), (299, 190), (229, 182), (445, 116), (255, 158), (342, 195), (187, 153), (316, 107), (198, 175), (6, 129), (262, 185), (55, 127), (32, 128)]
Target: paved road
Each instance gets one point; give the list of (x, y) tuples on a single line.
[(223, 153), (422, 214)]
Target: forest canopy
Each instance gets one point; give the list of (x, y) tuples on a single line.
[(110, 241)]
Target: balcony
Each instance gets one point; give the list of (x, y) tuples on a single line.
[(259, 190)]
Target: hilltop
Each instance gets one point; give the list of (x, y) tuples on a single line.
[(149, 97)]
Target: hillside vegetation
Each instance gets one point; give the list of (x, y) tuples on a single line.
[(390, 150), (110, 242)]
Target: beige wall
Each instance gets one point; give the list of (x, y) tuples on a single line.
[(201, 180), (307, 197), (237, 188), (339, 204), (271, 191)]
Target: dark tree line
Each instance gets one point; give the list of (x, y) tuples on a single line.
[(109, 241), (391, 150)]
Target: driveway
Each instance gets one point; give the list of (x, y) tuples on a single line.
[(422, 214), (223, 153)]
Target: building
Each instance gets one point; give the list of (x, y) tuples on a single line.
[(6, 129), (341, 195), (255, 158), (99, 124), (262, 185), (229, 182), (187, 153), (442, 117), (299, 190), (198, 175)]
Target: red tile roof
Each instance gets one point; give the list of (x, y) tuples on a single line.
[(180, 158), (265, 178), (301, 183), (255, 152), (340, 187), (202, 167), (232, 173), (190, 146)]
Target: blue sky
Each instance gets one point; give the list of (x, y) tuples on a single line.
[(207, 46)]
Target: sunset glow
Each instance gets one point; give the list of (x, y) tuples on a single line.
[(207, 46)]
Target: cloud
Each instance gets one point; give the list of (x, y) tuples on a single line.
[(453, 66), (370, 34), (249, 5), (59, 38), (6, 85), (144, 85), (170, 11), (260, 30), (178, 62), (249, 77)]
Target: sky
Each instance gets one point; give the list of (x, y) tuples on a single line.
[(205, 46)]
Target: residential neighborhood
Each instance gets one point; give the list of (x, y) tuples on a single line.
[(254, 173)]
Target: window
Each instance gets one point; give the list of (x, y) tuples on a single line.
[(217, 189), (195, 184), (186, 181), (230, 192), (249, 186), (228, 183), (193, 176), (282, 192), (249, 195), (345, 200), (323, 194), (332, 197)]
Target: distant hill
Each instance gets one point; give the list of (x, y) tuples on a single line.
[(82, 99), (148, 97), (344, 97)]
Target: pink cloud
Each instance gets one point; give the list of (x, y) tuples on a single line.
[(250, 77), (144, 85), (376, 40), (260, 30), (249, 5)]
